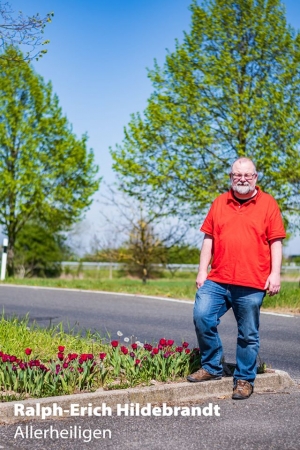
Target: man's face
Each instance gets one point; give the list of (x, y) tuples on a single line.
[(243, 177)]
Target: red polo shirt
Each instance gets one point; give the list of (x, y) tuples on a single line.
[(241, 236)]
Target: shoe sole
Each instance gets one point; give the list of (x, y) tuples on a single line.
[(193, 380), (240, 397)]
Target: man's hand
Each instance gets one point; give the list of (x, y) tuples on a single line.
[(273, 283), (201, 277)]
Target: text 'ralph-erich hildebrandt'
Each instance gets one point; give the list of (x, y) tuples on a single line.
[(126, 409)]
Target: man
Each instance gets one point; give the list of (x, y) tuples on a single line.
[(243, 237)]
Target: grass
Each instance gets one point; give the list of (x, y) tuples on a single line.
[(287, 301), (182, 289), (16, 335)]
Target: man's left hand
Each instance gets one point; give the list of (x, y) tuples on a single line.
[(273, 284)]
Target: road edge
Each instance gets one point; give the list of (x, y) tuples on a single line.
[(125, 294)]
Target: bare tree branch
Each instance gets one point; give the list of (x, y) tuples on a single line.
[(17, 29)]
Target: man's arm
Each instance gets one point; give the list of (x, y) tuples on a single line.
[(273, 280), (205, 257)]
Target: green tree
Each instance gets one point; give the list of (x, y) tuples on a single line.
[(46, 172), (27, 31), (183, 254), (231, 89), (39, 252)]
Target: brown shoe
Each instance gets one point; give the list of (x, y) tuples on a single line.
[(242, 390), (202, 375)]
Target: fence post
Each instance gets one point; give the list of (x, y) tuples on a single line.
[(4, 258)]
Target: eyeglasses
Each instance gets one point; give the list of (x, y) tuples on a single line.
[(247, 176)]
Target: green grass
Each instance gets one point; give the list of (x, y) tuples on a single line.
[(16, 335), (182, 289), (287, 300)]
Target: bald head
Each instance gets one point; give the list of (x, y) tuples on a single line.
[(241, 163)]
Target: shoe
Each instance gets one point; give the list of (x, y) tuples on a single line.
[(202, 375), (242, 390)]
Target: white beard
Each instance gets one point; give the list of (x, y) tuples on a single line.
[(243, 188)]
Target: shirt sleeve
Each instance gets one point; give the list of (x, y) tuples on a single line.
[(208, 224), (275, 228)]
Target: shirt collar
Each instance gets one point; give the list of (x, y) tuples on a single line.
[(231, 198)]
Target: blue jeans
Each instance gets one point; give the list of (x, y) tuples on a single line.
[(212, 301)]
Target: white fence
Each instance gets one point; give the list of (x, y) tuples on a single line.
[(180, 267), (117, 266)]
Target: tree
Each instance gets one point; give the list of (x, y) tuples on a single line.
[(22, 30), (184, 254), (231, 89), (139, 237), (46, 173), (38, 252)]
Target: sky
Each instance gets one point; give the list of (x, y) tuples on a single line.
[(97, 61)]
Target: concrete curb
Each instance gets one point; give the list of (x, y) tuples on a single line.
[(177, 393)]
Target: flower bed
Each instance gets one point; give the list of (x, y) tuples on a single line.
[(119, 366)]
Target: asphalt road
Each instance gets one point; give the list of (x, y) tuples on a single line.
[(149, 320), (266, 421)]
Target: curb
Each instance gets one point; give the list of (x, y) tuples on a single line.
[(176, 393)]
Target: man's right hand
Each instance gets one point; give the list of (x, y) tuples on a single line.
[(201, 277)]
